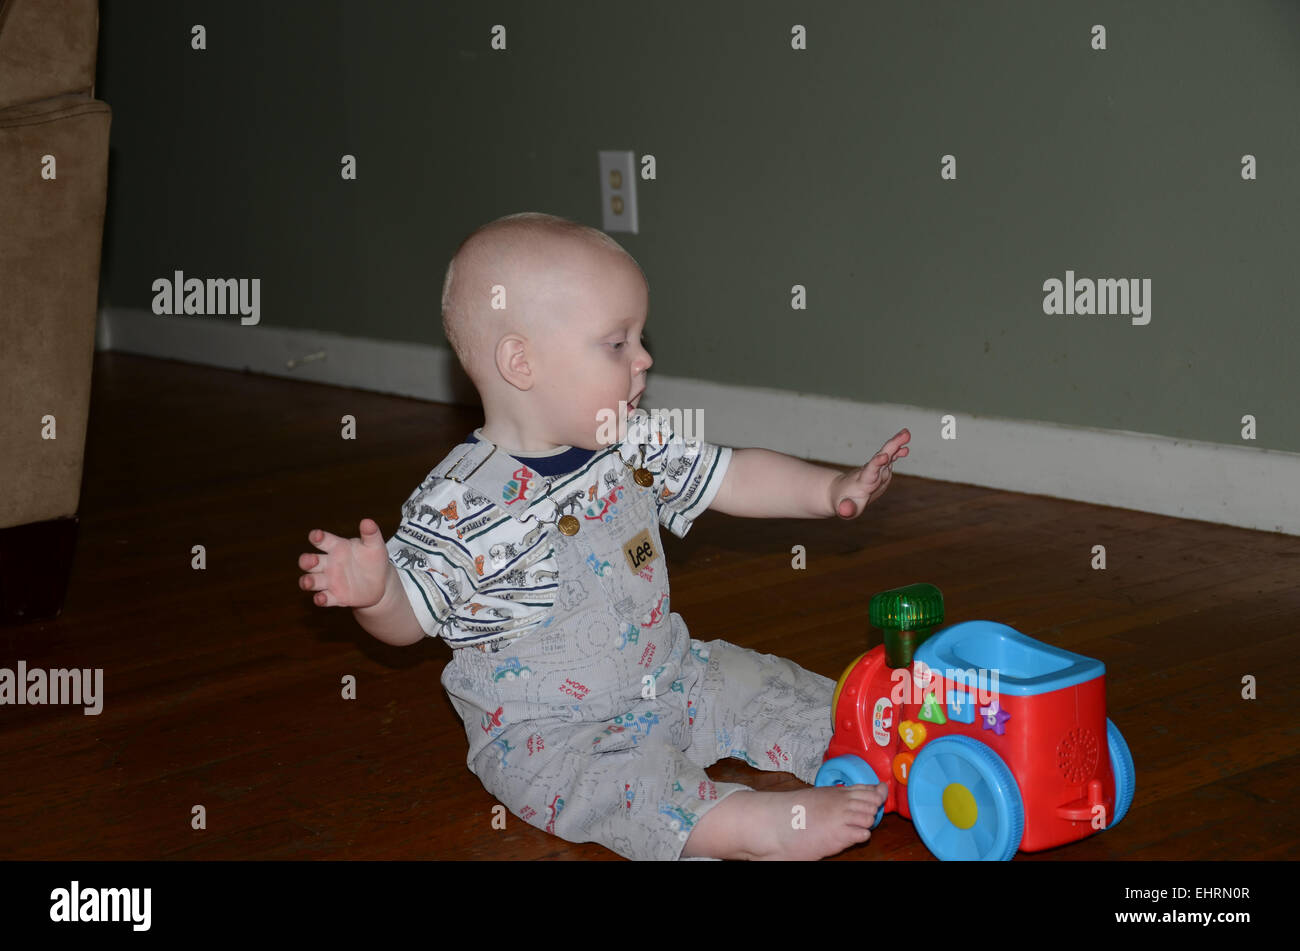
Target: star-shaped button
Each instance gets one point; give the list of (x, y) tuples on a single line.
[(994, 718)]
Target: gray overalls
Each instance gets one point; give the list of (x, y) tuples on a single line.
[(597, 724)]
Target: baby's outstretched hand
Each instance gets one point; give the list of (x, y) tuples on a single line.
[(352, 572), (853, 491)]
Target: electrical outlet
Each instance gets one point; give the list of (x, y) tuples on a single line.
[(618, 191)]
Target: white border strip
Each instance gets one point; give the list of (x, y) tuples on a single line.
[(1230, 485)]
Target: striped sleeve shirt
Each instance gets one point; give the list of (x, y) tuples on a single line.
[(499, 580)]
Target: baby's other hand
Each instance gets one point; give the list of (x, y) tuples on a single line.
[(353, 572), (853, 491)]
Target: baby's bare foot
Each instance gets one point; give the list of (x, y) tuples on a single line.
[(768, 825)]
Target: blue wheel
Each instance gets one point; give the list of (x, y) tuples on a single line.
[(849, 770), (964, 801), (1121, 764)]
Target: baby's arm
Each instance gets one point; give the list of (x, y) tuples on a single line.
[(760, 483), (356, 573), (391, 620)]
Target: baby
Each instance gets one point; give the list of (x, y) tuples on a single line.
[(534, 550)]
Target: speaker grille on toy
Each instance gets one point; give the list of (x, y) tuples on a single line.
[(1077, 754)]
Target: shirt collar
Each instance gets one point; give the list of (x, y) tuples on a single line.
[(556, 462)]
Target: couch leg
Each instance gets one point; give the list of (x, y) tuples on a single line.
[(35, 564)]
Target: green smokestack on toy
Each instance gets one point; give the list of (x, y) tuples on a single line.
[(907, 616)]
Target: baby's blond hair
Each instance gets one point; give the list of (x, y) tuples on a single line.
[(467, 321)]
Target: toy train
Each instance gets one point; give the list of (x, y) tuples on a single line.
[(990, 741)]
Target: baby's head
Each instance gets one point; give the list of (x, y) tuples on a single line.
[(546, 317)]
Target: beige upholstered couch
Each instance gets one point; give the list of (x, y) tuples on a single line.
[(53, 181)]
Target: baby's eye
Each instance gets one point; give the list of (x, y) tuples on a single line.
[(618, 345)]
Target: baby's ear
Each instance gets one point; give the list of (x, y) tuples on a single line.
[(512, 362)]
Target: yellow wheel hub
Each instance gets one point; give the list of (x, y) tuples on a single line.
[(959, 806)]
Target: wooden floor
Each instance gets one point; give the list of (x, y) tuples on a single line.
[(223, 686)]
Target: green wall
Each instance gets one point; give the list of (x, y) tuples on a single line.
[(775, 167)]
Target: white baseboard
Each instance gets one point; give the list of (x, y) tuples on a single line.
[(1230, 485)]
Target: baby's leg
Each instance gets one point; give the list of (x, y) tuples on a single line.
[(634, 792), (760, 708), (804, 824), (775, 715)]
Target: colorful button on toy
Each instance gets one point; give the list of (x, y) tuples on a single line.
[(994, 718), (902, 767), (931, 710), (913, 733), (961, 705)]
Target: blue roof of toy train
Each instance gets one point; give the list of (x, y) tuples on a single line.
[(1025, 666)]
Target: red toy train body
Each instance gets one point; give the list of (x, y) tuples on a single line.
[(990, 741)]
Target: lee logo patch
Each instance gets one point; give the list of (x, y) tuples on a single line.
[(640, 551)]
